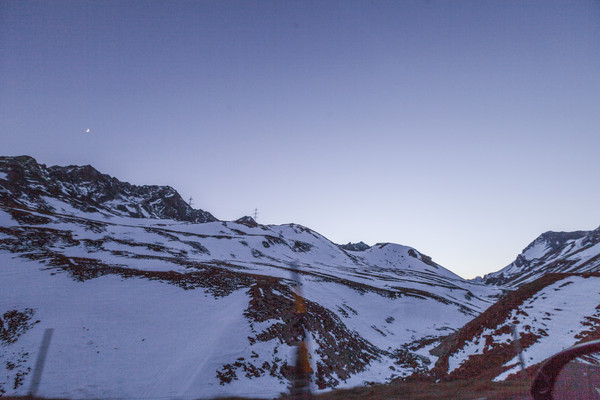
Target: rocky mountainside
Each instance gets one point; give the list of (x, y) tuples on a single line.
[(148, 302), (29, 184), (552, 252)]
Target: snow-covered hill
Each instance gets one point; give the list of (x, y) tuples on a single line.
[(549, 315), (552, 252), (150, 298)]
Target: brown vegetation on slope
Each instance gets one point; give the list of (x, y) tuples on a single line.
[(490, 363)]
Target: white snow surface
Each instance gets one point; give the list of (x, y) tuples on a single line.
[(143, 339), (134, 337), (537, 250)]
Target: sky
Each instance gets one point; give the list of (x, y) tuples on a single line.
[(462, 128)]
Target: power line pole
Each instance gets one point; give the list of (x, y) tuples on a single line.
[(255, 213), (191, 201)]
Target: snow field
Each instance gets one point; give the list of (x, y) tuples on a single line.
[(143, 339), (117, 337)]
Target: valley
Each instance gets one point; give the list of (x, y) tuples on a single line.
[(151, 298)]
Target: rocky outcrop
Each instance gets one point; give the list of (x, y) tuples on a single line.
[(29, 184), (552, 252), (360, 246)]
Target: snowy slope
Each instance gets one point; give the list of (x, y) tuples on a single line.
[(168, 307), (549, 314), (552, 252), (139, 339)]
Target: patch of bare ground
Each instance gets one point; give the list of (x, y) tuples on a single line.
[(419, 390), (459, 390), (422, 390), (238, 398)]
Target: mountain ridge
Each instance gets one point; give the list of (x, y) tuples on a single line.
[(551, 252), (113, 263), (89, 190), (217, 291)]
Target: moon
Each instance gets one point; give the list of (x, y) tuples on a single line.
[(87, 130)]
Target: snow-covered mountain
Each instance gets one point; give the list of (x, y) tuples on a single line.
[(552, 252), (150, 298), (549, 314)]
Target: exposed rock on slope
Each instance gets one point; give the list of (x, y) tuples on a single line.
[(360, 246)]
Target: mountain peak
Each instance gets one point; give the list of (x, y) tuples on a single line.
[(558, 238), (551, 252), (248, 221), (360, 246)]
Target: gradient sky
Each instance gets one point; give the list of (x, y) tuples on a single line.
[(462, 128)]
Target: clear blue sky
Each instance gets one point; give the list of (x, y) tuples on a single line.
[(461, 128)]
